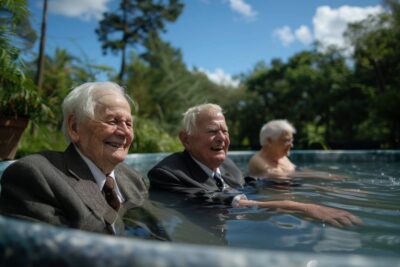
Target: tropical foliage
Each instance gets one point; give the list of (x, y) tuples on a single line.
[(18, 97), (334, 100)]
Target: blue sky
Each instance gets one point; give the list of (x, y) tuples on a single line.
[(222, 38)]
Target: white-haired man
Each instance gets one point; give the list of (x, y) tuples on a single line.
[(276, 140), (272, 162), (87, 186)]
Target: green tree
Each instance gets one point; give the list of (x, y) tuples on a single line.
[(312, 91), (377, 67), (15, 24), (132, 23), (162, 85), (18, 96), (245, 113)]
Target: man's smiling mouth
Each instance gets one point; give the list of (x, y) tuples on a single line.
[(114, 144), (217, 148)]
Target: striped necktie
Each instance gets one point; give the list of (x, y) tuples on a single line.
[(110, 193), (218, 180)]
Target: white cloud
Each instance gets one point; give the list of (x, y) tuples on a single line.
[(242, 8), (220, 77), (285, 35), (304, 35), (84, 9), (330, 24)]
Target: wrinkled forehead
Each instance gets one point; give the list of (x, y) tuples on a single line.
[(211, 118), (103, 96), (109, 98)]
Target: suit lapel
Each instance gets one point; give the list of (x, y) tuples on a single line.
[(90, 194), (85, 186), (198, 174)]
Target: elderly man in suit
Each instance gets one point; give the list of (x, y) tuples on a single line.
[(203, 170), (87, 186)]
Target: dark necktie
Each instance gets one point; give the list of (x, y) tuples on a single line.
[(110, 193), (218, 181)]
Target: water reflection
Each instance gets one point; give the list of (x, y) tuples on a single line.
[(337, 240), (365, 193), (372, 192)]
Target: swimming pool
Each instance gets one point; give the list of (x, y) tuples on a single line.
[(252, 237), (370, 191)]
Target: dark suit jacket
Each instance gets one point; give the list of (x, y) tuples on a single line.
[(179, 173), (58, 188)]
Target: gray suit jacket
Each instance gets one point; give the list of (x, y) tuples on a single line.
[(58, 188), (179, 173)]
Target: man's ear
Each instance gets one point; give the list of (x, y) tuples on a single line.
[(184, 137), (72, 128)]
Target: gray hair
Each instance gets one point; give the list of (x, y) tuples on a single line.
[(81, 101), (189, 121), (273, 129)]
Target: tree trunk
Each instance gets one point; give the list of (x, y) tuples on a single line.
[(122, 69), (40, 65), (124, 43)]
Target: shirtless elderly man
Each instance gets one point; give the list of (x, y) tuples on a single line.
[(276, 140)]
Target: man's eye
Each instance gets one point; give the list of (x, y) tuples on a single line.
[(113, 122)]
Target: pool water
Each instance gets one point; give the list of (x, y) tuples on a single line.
[(371, 191)]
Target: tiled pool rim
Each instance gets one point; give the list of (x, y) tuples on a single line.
[(31, 244)]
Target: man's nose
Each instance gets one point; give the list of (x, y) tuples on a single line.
[(290, 143), (123, 128), (221, 135)]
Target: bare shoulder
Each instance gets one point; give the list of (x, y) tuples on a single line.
[(287, 165), (257, 165)]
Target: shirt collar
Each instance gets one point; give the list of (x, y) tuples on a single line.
[(207, 170), (99, 176)]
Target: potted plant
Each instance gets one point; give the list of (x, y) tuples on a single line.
[(19, 103), (19, 99)]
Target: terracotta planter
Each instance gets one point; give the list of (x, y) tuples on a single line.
[(11, 130)]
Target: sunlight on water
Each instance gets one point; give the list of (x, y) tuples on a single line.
[(370, 191)]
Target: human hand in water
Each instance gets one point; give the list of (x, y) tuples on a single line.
[(335, 217)]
